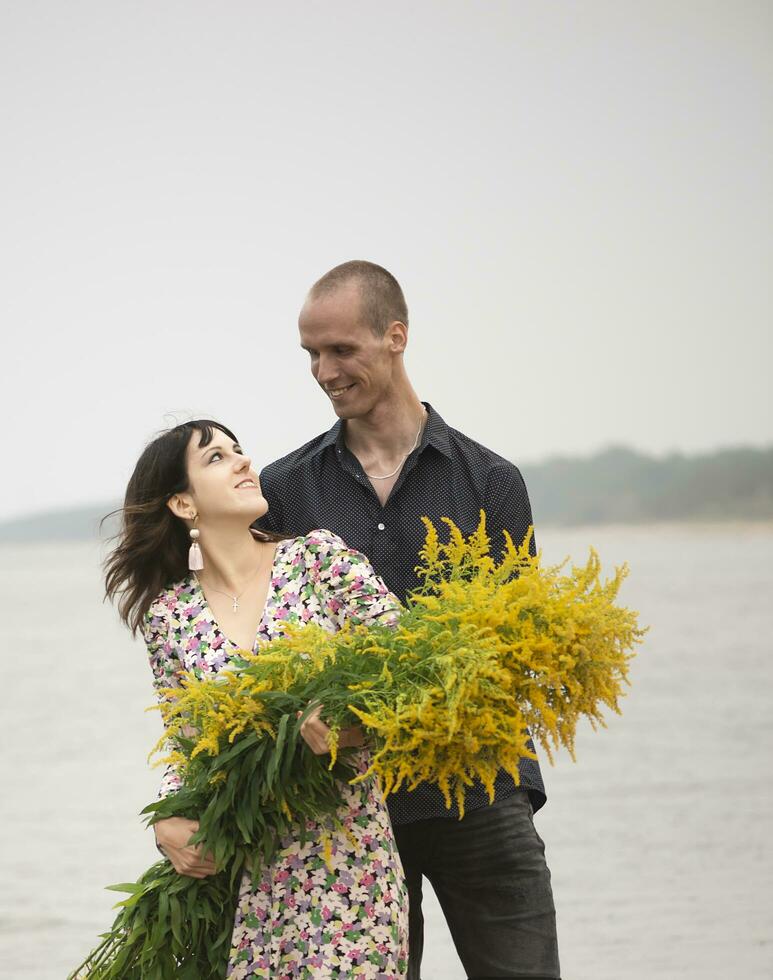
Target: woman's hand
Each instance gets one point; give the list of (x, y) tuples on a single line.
[(316, 734), (172, 836)]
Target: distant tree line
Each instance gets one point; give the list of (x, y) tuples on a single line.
[(618, 485)]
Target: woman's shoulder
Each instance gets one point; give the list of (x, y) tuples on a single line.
[(323, 539), (316, 551), (168, 600), (319, 540)]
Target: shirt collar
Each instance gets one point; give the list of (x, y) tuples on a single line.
[(435, 434), (332, 437)]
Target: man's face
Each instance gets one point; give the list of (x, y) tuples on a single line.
[(348, 361)]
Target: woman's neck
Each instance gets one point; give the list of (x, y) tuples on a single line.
[(231, 556)]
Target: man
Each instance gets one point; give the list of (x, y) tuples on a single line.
[(387, 461)]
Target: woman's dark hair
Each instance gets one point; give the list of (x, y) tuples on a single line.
[(152, 548)]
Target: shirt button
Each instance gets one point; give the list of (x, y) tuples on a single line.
[(380, 527)]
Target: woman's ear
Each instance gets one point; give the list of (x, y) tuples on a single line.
[(181, 505)]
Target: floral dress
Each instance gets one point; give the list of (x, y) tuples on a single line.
[(309, 915)]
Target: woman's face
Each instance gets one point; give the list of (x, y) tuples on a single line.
[(221, 480)]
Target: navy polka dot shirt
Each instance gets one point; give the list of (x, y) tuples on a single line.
[(323, 485)]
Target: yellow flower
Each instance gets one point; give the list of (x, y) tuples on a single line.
[(484, 652)]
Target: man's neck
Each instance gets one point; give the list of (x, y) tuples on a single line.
[(389, 431)]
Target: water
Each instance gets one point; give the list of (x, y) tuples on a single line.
[(658, 838)]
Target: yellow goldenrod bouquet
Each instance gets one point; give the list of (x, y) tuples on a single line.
[(485, 654)]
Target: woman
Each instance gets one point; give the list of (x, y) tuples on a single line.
[(200, 584)]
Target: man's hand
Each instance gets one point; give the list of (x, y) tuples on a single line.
[(316, 734)]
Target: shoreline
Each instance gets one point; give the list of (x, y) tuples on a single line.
[(746, 527)]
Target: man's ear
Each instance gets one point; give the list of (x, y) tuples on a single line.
[(397, 333), (181, 505)]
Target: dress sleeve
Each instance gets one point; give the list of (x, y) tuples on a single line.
[(348, 587), (166, 668)]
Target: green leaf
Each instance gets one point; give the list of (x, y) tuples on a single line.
[(277, 753), (176, 918), (128, 886)]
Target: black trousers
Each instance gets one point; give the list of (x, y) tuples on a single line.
[(489, 873)]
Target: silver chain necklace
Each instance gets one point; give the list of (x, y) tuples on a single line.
[(235, 598), (415, 444)]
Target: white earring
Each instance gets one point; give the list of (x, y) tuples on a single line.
[(195, 558)]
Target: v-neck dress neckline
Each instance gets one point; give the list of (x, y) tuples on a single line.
[(206, 608)]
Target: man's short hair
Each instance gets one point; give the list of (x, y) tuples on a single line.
[(382, 298)]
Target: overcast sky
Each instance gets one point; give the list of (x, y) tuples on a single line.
[(576, 198)]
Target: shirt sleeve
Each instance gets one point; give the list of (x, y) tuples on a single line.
[(166, 669), (508, 508), (348, 586)]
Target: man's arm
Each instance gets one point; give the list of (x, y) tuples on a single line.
[(507, 507)]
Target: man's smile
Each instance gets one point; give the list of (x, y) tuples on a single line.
[(337, 392)]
